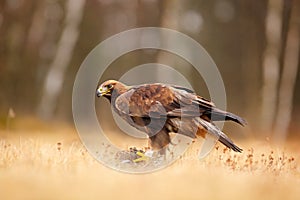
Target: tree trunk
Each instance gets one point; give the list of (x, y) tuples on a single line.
[(55, 77), (271, 66), (169, 19), (288, 79)]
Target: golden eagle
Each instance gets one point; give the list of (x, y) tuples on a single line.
[(159, 109)]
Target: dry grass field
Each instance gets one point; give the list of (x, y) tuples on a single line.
[(53, 164)]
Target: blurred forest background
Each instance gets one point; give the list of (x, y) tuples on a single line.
[(255, 45)]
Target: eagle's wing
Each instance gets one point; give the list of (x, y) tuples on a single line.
[(199, 106), (190, 104), (158, 100), (151, 100)]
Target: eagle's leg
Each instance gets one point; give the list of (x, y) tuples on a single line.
[(157, 142), (160, 142), (142, 157)]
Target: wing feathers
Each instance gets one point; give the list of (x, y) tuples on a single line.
[(161, 100), (216, 114)]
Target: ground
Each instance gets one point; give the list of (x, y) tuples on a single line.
[(53, 164)]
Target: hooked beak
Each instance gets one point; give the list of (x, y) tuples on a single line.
[(98, 92), (101, 91)]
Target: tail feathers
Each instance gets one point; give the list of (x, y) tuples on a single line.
[(219, 115), (212, 129), (229, 143), (235, 118)]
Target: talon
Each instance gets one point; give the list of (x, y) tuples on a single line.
[(142, 157)]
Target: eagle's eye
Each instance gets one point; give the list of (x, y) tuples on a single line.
[(109, 86)]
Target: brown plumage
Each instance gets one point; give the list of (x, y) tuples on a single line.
[(159, 109)]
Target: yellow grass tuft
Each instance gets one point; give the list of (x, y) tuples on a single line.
[(57, 166)]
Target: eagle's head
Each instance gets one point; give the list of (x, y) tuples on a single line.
[(107, 88)]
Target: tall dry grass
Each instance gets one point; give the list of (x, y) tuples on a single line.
[(55, 165)]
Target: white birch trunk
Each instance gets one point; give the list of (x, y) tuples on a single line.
[(55, 77), (271, 64), (170, 20)]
